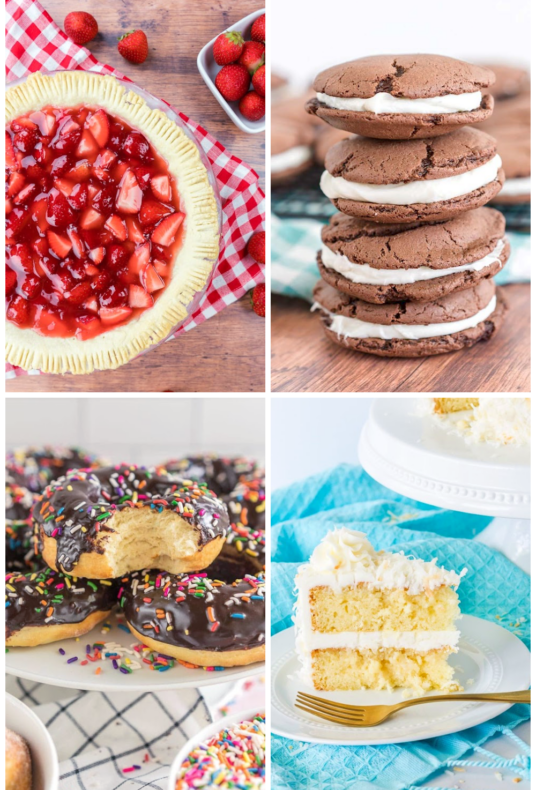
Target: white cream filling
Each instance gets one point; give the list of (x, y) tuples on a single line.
[(356, 328), (386, 103), (364, 274), (287, 160), (406, 193), (422, 641), (515, 186)]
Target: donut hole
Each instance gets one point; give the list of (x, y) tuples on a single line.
[(18, 762)]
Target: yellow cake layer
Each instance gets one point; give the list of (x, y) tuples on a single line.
[(450, 405), (346, 670), (363, 609)]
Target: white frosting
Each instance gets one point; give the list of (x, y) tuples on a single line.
[(406, 193), (515, 186), (422, 641), (344, 326), (364, 274), (287, 160), (386, 103), (495, 421)]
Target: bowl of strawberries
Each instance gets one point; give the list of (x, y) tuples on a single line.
[(233, 67)]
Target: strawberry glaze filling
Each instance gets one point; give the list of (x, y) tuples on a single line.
[(93, 222)]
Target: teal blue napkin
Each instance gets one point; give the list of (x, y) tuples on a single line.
[(494, 589)]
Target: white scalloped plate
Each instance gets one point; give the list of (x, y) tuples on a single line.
[(490, 659), (406, 451)]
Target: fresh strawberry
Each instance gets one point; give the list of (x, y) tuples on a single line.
[(138, 297), (113, 315), (167, 229), (152, 212), (99, 126), (80, 26), (100, 282), (91, 219), (21, 257), (60, 165), (31, 286), (18, 310), (15, 184), (79, 293), (45, 121), (258, 29), (26, 139), (102, 199), (77, 198), (59, 244), (137, 146), (252, 56), (59, 212), (252, 106), (161, 188), (68, 136), (116, 256), (139, 258), (25, 194), (97, 255), (134, 230), (11, 281), (257, 246), (258, 299), (150, 280), (87, 147), (228, 47), (133, 46), (161, 268), (233, 82), (78, 245), (12, 162), (17, 219), (130, 195), (258, 81), (116, 225)]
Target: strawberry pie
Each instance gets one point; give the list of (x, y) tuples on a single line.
[(111, 223)]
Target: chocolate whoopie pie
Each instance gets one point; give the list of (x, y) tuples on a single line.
[(402, 97), (403, 181), (513, 144), (292, 150), (411, 329), (327, 137), (420, 262), (509, 81)]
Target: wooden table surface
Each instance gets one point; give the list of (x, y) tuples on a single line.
[(225, 353), (304, 360)]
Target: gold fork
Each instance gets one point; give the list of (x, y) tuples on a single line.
[(371, 715)]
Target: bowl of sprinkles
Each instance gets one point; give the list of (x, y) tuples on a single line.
[(229, 753)]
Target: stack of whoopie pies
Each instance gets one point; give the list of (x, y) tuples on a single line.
[(407, 265)]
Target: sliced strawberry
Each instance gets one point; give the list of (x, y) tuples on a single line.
[(15, 184), (130, 195), (59, 213), (161, 268), (166, 231), (113, 315), (101, 174), (45, 121), (16, 221), (106, 159), (92, 305), (116, 225), (152, 212), (64, 186), (42, 154), (79, 293), (162, 253), (80, 172), (87, 325), (119, 171), (68, 136), (91, 270), (87, 147), (101, 281), (61, 245), (161, 188), (150, 280), (134, 230), (136, 146), (17, 310), (138, 297), (99, 126), (25, 194), (117, 256), (78, 244), (139, 258), (20, 256), (78, 196), (23, 123), (11, 281), (97, 255), (31, 286), (144, 175), (91, 219), (8, 206), (60, 165), (12, 163), (26, 139), (49, 323)]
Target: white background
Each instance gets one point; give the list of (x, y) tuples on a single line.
[(307, 37), (140, 430)]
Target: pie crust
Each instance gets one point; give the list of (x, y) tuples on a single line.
[(193, 262)]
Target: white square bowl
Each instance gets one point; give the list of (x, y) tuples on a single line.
[(208, 68)]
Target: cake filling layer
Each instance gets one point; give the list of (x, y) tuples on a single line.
[(386, 103), (294, 157), (515, 186), (419, 641), (364, 274), (407, 193), (356, 328)]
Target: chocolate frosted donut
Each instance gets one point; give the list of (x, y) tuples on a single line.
[(46, 606), (106, 522), (39, 465), (221, 474), (195, 618), (23, 552)]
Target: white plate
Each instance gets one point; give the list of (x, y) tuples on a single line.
[(407, 452), (23, 721), (45, 664), (203, 735), (208, 68), (489, 656)]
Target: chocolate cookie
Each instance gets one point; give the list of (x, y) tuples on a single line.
[(391, 181), (513, 145), (327, 137), (421, 262), (293, 110), (509, 81), (411, 329), (402, 97), (292, 150)]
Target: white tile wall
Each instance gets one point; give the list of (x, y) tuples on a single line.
[(140, 430)]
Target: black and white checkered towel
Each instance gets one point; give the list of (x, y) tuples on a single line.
[(99, 735)]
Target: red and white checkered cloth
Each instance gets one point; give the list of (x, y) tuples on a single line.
[(34, 42)]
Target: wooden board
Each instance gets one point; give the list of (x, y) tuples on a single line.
[(304, 360), (231, 344)]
